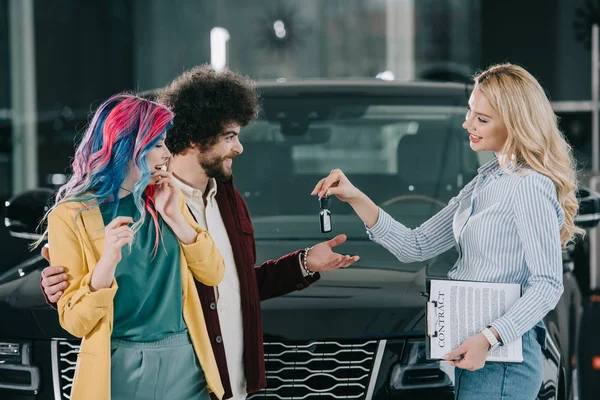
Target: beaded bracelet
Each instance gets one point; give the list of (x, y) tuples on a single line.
[(303, 261)]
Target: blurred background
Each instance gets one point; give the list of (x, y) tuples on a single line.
[(59, 59)]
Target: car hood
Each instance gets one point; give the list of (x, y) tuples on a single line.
[(22, 305), (378, 297), (349, 304), (362, 301)]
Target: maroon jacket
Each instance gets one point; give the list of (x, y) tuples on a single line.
[(272, 279)]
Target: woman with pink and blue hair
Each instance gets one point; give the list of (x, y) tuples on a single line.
[(131, 250)]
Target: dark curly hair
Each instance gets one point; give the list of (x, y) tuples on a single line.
[(205, 102)]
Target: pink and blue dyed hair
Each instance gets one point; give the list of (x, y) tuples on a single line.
[(124, 129)]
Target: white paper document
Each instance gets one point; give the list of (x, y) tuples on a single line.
[(457, 310)]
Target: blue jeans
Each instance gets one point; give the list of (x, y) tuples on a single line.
[(506, 381)]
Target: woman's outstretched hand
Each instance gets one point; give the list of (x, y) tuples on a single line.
[(337, 184)]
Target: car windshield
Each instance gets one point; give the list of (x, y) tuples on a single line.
[(409, 155)]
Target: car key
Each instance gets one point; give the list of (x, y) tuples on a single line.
[(325, 214)]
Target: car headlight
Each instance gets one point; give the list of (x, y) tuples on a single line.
[(16, 371), (11, 353), (414, 371)]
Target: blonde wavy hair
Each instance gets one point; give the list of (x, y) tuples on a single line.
[(534, 138)]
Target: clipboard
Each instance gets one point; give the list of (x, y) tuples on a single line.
[(430, 309), (432, 315)]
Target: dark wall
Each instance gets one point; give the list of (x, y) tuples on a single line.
[(521, 32), (83, 51), (84, 54), (171, 37), (573, 72), (4, 58)]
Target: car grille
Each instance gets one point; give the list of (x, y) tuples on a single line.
[(319, 369), (64, 356), (323, 370)]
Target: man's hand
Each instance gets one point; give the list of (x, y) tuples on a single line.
[(322, 258), (54, 281), (472, 353)]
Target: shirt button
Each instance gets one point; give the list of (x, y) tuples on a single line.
[(300, 286), (213, 306), (219, 339)]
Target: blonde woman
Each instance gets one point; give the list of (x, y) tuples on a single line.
[(510, 223)]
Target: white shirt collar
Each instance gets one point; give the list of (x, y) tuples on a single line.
[(190, 192)]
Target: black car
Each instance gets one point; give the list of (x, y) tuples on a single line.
[(358, 333)]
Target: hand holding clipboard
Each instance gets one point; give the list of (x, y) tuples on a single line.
[(458, 310)]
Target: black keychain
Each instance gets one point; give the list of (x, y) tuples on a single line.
[(325, 214)]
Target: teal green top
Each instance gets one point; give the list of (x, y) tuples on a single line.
[(148, 304)]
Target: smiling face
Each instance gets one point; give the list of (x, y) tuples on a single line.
[(217, 160), (158, 157), (487, 131)]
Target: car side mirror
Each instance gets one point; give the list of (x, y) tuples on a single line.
[(589, 209), (24, 212)]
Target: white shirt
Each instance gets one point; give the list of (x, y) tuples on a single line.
[(229, 301)]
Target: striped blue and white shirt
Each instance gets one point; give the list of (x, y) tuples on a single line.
[(506, 228)]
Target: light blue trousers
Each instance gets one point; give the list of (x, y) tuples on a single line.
[(506, 381), (165, 369)]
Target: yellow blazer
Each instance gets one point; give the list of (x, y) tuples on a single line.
[(76, 242)]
